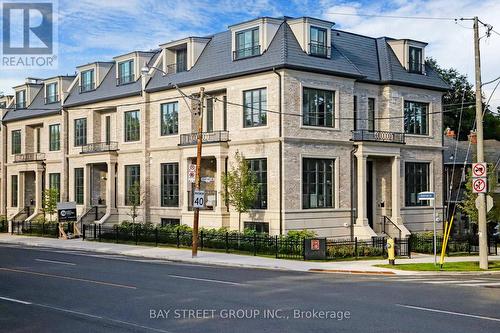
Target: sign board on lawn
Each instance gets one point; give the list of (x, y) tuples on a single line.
[(66, 211), (479, 169), (199, 199)]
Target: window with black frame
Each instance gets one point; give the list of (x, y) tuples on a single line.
[(132, 185), (55, 183), (21, 99), (14, 191), (258, 167), (16, 142), (416, 181), (318, 42), (258, 227), (169, 118), (79, 186), (254, 107), (415, 64), (170, 184), (132, 126), (80, 132), (87, 81), (181, 60), (166, 222), (317, 183), (416, 118), (371, 114), (54, 137), (247, 43), (318, 107), (126, 72), (51, 93)]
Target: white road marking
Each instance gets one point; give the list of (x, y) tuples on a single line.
[(459, 282), (15, 300), (83, 314), (483, 284), (449, 312), (206, 280), (56, 262)]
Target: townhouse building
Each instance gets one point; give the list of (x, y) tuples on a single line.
[(341, 130)]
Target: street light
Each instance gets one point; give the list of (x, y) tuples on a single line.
[(196, 217)]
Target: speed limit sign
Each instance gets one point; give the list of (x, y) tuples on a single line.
[(199, 199)]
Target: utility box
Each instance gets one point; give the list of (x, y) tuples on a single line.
[(315, 249)]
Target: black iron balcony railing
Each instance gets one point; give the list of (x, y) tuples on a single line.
[(99, 147), (210, 200), (246, 52), (206, 137), (87, 87), (124, 79), (176, 68), (320, 50), (21, 105), (416, 67), (378, 136), (51, 99), (29, 157)]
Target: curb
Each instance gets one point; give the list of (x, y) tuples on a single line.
[(342, 271)]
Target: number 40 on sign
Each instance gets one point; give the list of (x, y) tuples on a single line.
[(199, 199)]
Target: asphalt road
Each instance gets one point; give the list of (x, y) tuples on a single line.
[(47, 290)]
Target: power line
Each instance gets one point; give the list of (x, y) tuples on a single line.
[(397, 16)]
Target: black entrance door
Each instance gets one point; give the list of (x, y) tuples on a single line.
[(369, 192)]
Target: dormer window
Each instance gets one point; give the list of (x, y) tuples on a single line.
[(21, 99), (318, 42), (125, 72), (87, 81), (415, 63), (181, 60), (51, 93), (247, 43)]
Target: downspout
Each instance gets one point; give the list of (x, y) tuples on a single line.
[(280, 195), (353, 187)]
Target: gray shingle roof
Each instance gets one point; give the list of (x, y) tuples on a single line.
[(449, 156), (36, 109)]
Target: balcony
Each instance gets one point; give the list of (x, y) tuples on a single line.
[(320, 50), (206, 137), (125, 79), (99, 147), (29, 157), (416, 67), (246, 52), (378, 136)]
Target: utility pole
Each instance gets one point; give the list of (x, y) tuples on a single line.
[(483, 234), (196, 217)]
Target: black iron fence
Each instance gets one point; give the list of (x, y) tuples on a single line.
[(466, 245), (98, 147), (4, 226), (378, 136), (49, 229), (29, 157), (257, 244), (206, 137)]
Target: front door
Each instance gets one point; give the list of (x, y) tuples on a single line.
[(369, 192)]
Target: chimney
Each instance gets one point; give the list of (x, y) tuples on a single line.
[(473, 137)]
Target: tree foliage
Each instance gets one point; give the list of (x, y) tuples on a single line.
[(134, 200), (452, 103), (50, 198), (468, 205), (241, 186)]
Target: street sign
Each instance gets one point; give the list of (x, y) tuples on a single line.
[(66, 211), (192, 173), (426, 196), (199, 199), (479, 169), (479, 185), (489, 203)]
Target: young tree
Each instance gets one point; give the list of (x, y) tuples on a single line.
[(50, 198), (134, 200), (241, 186)]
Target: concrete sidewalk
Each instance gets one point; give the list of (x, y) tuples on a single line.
[(224, 259)]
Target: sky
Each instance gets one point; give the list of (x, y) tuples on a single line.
[(91, 30)]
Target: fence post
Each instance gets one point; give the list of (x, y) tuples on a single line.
[(136, 235), (99, 232), (116, 234), (178, 238), (356, 247), (96, 215), (201, 239), (408, 239), (254, 244), (227, 242), (156, 235), (468, 244), (43, 228), (83, 232), (95, 231), (276, 246), (303, 243)]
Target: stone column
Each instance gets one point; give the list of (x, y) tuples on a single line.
[(396, 189), (38, 189), (110, 187), (361, 182)]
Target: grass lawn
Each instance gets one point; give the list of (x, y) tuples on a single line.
[(463, 266)]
